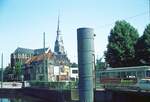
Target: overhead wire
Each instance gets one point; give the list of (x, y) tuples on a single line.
[(127, 18)]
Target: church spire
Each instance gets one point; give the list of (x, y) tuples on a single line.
[(58, 25), (59, 48), (58, 30)]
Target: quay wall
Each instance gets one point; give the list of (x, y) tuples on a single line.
[(11, 93), (47, 94), (65, 95), (103, 96)]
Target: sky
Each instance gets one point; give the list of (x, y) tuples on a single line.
[(22, 22)]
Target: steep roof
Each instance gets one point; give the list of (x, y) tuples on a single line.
[(24, 50), (30, 51), (40, 51), (40, 57)]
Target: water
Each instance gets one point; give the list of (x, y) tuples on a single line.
[(20, 98)]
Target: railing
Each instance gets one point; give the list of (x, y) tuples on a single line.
[(54, 85), (116, 83), (120, 86), (11, 85)]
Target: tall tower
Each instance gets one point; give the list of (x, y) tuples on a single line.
[(59, 47)]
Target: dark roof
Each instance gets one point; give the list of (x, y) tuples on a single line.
[(30, 51), (24, 50), (39, 51)]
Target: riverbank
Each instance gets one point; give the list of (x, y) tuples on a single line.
[(72, 95), (54, 95), (50, 95), (65, 95)]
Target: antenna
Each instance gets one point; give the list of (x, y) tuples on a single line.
[(44, 41)]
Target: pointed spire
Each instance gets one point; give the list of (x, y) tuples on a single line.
[(58, 25), (59, 48)]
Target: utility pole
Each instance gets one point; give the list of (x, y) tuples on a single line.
[(44, 40), (2, 70), (44, 66), (149, 10)]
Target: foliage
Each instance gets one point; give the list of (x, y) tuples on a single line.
[(54, 85), (100, 65), (120, 49), (143, 48), (74, 65), (18, 70), (6, 73)]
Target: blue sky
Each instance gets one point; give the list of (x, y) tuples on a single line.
[(22, 22)]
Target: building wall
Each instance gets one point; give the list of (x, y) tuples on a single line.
[(19, 58), (54, 63), (74, 73)]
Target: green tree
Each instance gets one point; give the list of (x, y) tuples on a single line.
[(143, 48), (100, 65), (18, 70), (7, 72), (74, 64), (120, 49)]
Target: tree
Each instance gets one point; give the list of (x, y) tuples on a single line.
[(120, 49), (8, 71), (143, 48), (18, 70), (100, 65), (74, 65)]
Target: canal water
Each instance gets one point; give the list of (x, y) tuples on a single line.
[(20, 98)]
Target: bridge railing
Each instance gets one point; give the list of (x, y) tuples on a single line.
[(125, 84), (54, 85), (120, 86)]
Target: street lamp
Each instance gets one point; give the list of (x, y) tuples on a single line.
[(2, 71), (94, 71), (22, 78)]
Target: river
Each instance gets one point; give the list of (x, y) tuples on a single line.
[(19, 99)]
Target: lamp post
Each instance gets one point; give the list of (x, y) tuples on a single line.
[(2, 71), (22, 78), (94, 72)]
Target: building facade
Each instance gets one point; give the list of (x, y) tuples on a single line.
[(45, 67), (20, 55), (49, 66), (18, 59), (74, 73), (39, 67)]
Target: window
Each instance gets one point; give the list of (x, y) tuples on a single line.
[(74, 71), (148, 73)]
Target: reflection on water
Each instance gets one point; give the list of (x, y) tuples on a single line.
[(4, 100), (20, 99)]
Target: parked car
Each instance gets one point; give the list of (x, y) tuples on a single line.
[(143, 84)]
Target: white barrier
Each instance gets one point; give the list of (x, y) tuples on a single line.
[(11, 85)]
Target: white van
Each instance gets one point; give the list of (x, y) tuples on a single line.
[(143, 84)]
